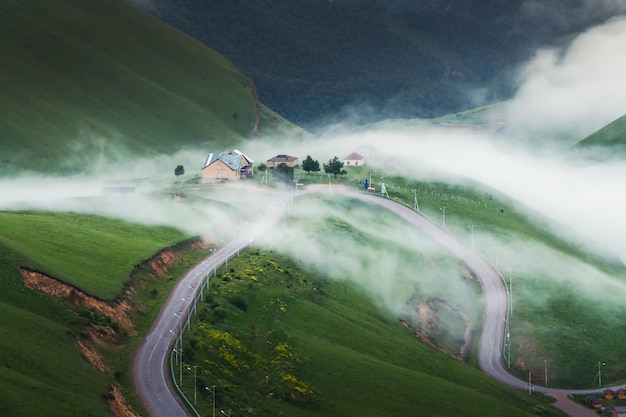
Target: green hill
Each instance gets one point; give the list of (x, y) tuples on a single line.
[(337, 332), (279, 339), (610, 136), (42, 370), (328, 336), (91, 253), (103, 78)]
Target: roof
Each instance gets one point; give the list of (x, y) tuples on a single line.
[(619, 408), (354, 157), (282, 158), (232, 159)]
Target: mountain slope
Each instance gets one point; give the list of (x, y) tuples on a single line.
[(84, 79), (286, 340), (611, 136), (319, 60), (74, 300)]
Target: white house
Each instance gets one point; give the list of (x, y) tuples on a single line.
[(354, 160)]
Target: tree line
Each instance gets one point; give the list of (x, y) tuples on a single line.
[(285, 173)]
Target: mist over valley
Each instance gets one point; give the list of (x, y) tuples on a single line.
[(502, 124)]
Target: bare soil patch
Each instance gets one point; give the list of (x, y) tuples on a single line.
[(98, 336)]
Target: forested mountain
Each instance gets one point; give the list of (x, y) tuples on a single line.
[(319, 60)]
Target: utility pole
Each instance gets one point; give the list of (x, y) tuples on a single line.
[(212, 390), (508, 343), (510, 291), (600, 365), (443, 223), (415, 205), (495, 248), (179, 353), (195, 391)]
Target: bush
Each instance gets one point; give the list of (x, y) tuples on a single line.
[(219, 314), (239, 301)]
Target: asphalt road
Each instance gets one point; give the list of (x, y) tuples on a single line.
[(151, 376), (150, 367)]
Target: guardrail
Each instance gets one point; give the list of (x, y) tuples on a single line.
[(176, 354)]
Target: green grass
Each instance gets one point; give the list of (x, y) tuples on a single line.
[(150, 294), (488, 210), (563, 291), (323, 348), (349, 321), (569, 332), (612, 136), (89, 252), (405, 274), (567, 298), (42, 372), (86, 80)]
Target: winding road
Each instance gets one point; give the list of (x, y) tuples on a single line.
[(150, 370)]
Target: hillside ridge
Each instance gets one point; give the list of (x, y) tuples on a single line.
[(104, 79)]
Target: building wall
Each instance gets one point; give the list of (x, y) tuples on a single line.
[(275, 163), (245, 163), (218, 171), (354, 162)]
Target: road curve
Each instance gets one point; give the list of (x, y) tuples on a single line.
[(491, 343), (150, 370)]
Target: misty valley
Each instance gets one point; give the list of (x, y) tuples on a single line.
[(303, 208)]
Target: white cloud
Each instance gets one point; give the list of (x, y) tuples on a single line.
[(575, 91)]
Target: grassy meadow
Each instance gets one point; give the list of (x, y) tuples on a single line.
[(608, 141), (82, 81), (284, 319), (92, 253), (555, 279), (42, 372), (562, 289), (279, 339)]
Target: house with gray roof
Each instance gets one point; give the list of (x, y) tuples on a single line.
[(226, 166)]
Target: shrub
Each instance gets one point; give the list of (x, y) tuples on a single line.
[(239, 301), (219, 314)]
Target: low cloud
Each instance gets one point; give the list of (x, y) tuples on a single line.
[(570, 14), (374, 250), (583, 197), (574, 91)]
